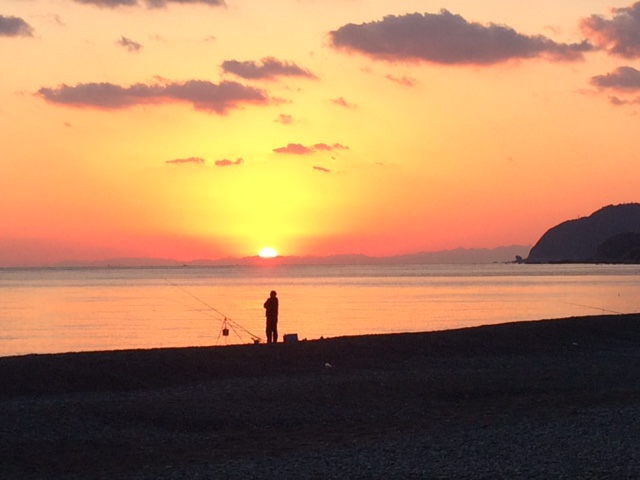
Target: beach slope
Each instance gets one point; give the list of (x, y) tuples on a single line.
[(545, 399)]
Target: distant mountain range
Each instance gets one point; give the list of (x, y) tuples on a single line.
[(610, 235), (457, 256)]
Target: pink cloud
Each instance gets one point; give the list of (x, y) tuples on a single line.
[(294, 149), (227, 163)]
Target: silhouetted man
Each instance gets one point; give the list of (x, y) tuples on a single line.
[(271, 310)]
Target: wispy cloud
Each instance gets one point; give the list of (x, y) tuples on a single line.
[(404, 80), (268, 68), (187, 161), (341, 102), (14, 27), (449, 39), (129, 44), (148, 3), (284, 119), (202, 94), (618, 34), (329, 148), (299, 149), (321, 169), (617, 101)]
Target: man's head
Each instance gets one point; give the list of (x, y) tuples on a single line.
[(273, 293)]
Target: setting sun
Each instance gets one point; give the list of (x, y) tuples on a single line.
[(267, 252), (307, 156)]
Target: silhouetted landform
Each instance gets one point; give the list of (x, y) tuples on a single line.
[(605, 236), (456, 256), (623, 248), (547, 399)]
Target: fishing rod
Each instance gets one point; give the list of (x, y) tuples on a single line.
[(594, 308), (226, 321)]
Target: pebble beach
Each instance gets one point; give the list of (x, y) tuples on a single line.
[(544, 399)]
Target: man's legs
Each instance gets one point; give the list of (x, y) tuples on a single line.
[(272, 331)]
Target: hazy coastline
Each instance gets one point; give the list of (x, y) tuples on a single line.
[(453, 256)]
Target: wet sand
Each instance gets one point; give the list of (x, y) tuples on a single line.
[(546, 399)]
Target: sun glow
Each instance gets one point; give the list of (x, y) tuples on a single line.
[(267, 252)]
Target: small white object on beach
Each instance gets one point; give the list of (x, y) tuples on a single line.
[(327, 365)]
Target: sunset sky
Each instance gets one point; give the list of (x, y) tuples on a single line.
[(194, 129)]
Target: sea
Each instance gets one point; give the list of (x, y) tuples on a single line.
[(57, 310)]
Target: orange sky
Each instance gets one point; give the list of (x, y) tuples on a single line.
[(208, 128)]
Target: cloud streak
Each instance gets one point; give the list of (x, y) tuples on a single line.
[(268, 68), (201, 161), (404, 80), (201, 94), (445, 38), (14, 27), (619, 34), (148, 3), (187, 161), (299, 149)]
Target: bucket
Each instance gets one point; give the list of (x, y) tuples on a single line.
[(291, 338)]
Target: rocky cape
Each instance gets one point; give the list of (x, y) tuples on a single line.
[(609, 235)]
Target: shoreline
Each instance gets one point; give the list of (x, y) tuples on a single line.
[(536, 399)]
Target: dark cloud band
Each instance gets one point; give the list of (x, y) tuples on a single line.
[(622, 78), (203, 95), (449, 39)]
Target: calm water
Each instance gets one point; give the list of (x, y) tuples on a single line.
[(61, 310)]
